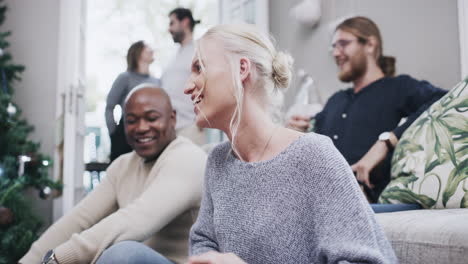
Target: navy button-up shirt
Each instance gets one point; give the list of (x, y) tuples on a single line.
[(354, 121)]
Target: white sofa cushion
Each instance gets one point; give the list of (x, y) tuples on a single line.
[(428, 236)]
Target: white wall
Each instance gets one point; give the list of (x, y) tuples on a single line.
[(421, 34), (34, 40)]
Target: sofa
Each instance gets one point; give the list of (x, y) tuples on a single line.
[(430, 236), (430, 169)]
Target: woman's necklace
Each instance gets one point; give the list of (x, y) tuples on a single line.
[(268, 142)]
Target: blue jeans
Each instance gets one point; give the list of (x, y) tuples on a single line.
[(387, 208), (131, 252)]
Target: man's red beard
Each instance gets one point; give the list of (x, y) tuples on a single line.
[(358, 68)]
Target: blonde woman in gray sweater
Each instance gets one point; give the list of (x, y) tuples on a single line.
[(271, 194)]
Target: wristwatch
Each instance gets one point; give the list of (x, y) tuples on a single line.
[(385, 137), (49, 258)]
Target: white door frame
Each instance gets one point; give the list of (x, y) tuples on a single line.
[(70, 103), (463, 34)]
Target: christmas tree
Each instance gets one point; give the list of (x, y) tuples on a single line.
[(22, 166)]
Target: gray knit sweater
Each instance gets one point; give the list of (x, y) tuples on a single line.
[(303, 206)]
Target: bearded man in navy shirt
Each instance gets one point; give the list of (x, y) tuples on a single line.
[(364, 120)]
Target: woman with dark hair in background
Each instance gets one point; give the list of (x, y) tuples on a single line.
[(139, 58)]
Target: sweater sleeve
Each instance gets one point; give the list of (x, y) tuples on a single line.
[(95, 206), (175, 190), (114, 98), (342, 223), (419, 95), (202, 236)]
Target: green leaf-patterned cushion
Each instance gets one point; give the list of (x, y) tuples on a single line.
[(430, 163)]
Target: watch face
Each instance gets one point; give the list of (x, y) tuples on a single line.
[(384, 136), (47, 256)]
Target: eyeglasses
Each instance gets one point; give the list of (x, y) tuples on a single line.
[(341, 44)]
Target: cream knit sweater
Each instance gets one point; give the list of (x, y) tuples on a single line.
[(154, 202)]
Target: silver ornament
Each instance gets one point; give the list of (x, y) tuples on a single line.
[(22, 161), (11, 109), (45, 193)]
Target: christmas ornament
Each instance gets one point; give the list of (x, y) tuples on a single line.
[(49, 193), (1, 170), (45, 163), (11, 109), (6, 216), (22, 161), (1, 52), (45, 193)]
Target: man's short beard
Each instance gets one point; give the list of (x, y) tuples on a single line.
[(357, 70), (178, 36)]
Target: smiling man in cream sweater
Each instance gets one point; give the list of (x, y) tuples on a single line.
[(150, 195)]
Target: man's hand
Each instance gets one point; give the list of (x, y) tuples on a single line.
[(373, 157), (299, 123), (214, 257)]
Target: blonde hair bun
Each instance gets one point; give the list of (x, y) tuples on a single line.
[(281, 70)]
